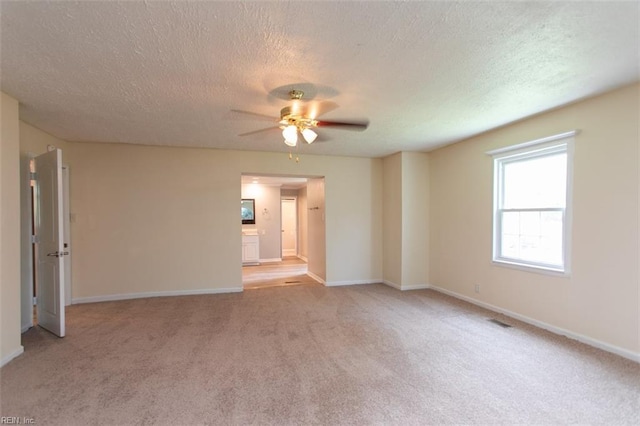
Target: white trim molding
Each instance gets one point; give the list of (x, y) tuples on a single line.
[(275, 259), (625, 353), (128, 296), (415, 287), (351, 282), (11, 356), (392, 284), (405, 287), (514, 148), (315, 277)]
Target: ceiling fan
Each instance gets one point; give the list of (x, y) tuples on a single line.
[(300, 119)]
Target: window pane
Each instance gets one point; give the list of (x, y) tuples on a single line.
[(535, 183), (532, 236)]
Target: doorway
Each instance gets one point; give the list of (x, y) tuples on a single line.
[(283, 225), (289, 220)]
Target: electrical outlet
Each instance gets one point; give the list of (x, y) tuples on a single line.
[(477, 288)]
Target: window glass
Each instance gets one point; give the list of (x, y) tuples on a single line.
[(530, 204), (535, 183), (534, 236)]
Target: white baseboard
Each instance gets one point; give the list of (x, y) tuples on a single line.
[(625, 353), (275, 259), (26, 328), (127, 296), (415, 287), (5, 360), (392, 284), (405, 287), (290, 252), (315, 277), (352, 282), (301, 257)]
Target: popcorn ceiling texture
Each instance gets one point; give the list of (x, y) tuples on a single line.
[(424, 73)]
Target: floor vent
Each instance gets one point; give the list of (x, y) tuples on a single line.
[(291, 282), (500, 323)]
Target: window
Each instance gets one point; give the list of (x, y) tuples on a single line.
[(532, 193)]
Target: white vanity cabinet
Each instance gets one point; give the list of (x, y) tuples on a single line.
[(250, 249)]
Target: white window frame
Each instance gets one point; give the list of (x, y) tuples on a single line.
[(538, 148)]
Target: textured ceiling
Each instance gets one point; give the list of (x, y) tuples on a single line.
[(424, 73)]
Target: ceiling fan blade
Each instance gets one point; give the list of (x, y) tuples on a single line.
[(259, 131), (314, 110), (255, 115), (322, 138), (357, 126)]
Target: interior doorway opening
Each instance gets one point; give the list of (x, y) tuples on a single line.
[(283, 223)]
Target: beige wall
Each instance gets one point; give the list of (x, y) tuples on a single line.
[(317, 229), (415, 220), (303, 230), (267, 223), (392, 225), (10, 345), (162, 220), (406, 220), (600, 299)]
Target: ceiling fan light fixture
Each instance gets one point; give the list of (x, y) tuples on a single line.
[(290, 134), (309, 135), (299, 117)]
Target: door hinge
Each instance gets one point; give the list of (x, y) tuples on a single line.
[(34, 239), (35, 301), (33, 175)]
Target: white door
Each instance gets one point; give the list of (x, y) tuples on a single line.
[(67, 235), (289, 228), (50, 237)]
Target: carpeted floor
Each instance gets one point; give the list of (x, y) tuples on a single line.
[(301, 355)]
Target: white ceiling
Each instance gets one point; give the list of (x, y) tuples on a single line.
[(424, 73)]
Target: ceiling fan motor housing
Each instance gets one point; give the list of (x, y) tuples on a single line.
[(289, 118)]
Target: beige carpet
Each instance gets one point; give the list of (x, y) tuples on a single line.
[(311, 355)]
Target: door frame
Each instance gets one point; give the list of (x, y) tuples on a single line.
[(293, 198)]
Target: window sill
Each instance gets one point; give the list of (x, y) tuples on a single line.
[(530, 268)]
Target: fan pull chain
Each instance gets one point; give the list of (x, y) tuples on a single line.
[(291, 156)]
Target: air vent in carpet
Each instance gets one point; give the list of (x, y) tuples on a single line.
[(500, 323), (291, 282)]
